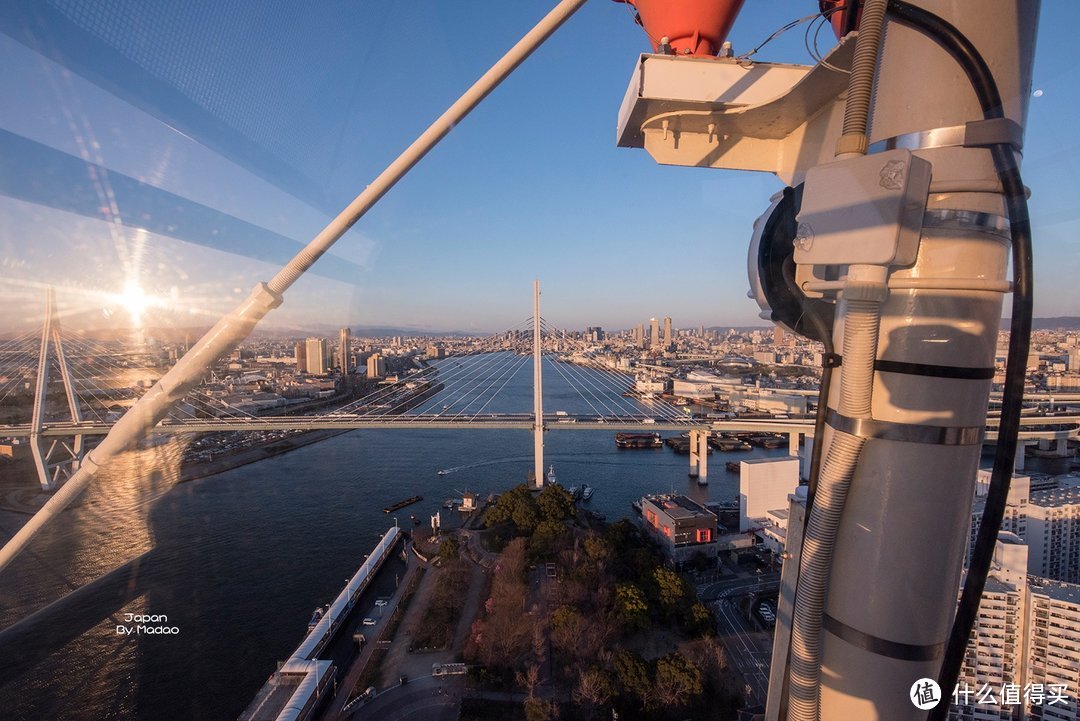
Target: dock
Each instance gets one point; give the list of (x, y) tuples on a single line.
[(304, 681)]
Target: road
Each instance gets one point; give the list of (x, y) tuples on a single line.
[(749, 650), (422, 699)]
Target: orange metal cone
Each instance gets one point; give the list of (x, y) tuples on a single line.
[(693, 27)]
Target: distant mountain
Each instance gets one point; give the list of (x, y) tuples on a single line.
[(1062, 322)]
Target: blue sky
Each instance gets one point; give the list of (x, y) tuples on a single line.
[(531, 184)]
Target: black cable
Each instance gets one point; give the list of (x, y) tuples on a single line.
[(982, 81)]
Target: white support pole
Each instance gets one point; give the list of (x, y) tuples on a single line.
[(538, 393), (69, 389), (41, 388), (695, 456), (237, 325), (703, 457), (793, 444)]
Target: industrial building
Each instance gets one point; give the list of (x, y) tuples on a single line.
[(682, 526)]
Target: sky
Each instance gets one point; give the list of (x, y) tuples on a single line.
[(307, 102)]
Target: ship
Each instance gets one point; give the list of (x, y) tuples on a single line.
[(316, 616), (587, 492), (401, 504), (727, 443), (638, 440)]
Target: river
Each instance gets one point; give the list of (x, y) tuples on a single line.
[(237, 561)]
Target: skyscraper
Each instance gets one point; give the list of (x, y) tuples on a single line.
[(668, 337), (300, 356), (376, 366), (654, 333), (318, 356), (344, 350)]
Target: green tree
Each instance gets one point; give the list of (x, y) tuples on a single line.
[(597, 549), (677, 680), (631, 608), (633, 674), (671, 589), (698, 621), (555, 503), (547, 536), (449, 549), (516, 506), (539, 710)]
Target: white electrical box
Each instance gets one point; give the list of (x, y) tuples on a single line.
[(866, 210)]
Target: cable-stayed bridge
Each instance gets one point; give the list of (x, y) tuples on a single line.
[(471, 389)]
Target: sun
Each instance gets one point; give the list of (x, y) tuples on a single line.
[(134, 300)]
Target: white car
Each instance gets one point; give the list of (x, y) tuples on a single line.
[(381, 602), (369, 622)]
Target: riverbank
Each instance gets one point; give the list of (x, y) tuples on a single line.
[(254, 454)]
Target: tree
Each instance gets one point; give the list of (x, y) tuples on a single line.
[(567, 627), (631, 608), (677, 680), (555, 503), (516, 506), (538, 710), (671, 589), (597, 549), (593, 689), (633, 674), (449, 549), (698, 621), (547, 536)]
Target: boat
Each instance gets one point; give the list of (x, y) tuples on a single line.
[(443, 472), (733, 466), (401, 504), (575, 492), (636, 505), (415, 520), (316, 616), (638, 440), (449, 503), (587, 492)]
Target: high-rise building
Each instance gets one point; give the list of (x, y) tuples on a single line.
[(640, 339), (300, 356), (654, 333), (594, 334), (994, 659), (345, 351), (778, 336), (669, 339), (376, 366), (1023, 658), (318, 356), (1046, 516)]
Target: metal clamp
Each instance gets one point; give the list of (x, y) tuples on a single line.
[(967, 220), (905, 432), (976, 134)]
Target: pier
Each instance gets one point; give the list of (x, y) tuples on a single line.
[(294, 691)]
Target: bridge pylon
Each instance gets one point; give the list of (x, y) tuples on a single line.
[(55, 458)]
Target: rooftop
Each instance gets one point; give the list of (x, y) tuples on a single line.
[(1056, 497), (1055, 590), (679, 507)]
